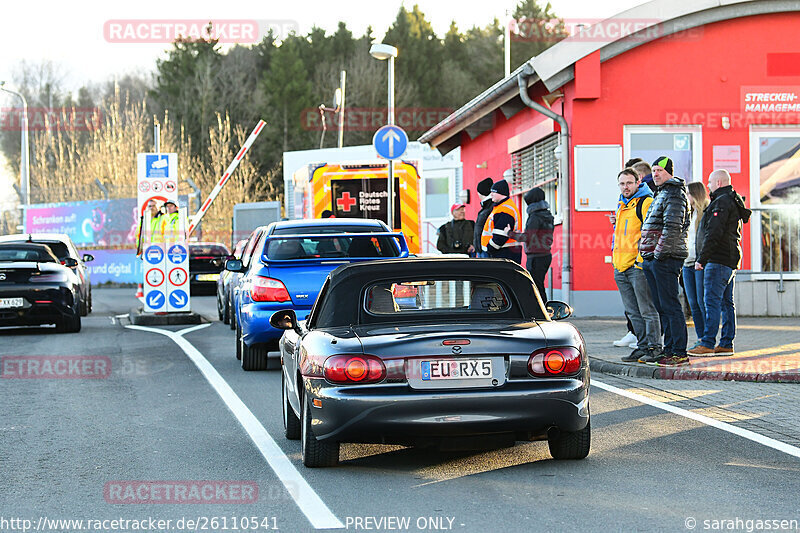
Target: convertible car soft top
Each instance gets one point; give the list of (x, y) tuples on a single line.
[(341, 308)]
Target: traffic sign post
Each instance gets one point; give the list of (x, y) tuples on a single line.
[(154, 257), (177, 272), (390, 142)]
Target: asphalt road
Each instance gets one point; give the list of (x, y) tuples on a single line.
[(156, 417)]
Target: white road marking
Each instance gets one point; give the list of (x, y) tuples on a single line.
[(724, 426), (309, 502)]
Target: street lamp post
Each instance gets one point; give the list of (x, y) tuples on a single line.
[(385, 51), (24, 177)]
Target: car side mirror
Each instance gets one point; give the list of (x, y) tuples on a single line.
[(234, 265), (70, 262), (558, 310), (284, 319), (87, 258)]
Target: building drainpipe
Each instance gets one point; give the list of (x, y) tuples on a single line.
[(566, 265)]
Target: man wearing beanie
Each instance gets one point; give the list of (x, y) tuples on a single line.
[(663, 246), (538, 237), (484, 189), (504, 218), (455, 236)]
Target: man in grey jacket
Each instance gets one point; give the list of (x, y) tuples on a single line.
[(663, 247)]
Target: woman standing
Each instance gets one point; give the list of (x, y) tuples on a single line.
[(693, 279)]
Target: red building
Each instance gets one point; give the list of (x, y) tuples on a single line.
[(711, 84)]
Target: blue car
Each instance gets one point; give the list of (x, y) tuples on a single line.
[(285, 267)]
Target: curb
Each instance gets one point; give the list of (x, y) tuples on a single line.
[(139, 318), (654, 372)]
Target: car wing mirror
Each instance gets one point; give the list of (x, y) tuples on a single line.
[(87, 258), (285, 319), (70, 262), (558, 310), (234, 265)]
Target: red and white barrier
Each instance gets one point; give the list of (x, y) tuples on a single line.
[(224, 179)]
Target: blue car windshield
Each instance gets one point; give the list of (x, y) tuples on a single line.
[(324, 247)]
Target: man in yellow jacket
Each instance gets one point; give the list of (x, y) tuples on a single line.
[(503, 221), (149, 227), (634, 201), (170, 223)]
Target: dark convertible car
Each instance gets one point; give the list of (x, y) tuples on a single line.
[(472, 358)]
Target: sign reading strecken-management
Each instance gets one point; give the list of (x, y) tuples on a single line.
[(165, 253)]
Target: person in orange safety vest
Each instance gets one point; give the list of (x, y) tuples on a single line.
[(503, 219)]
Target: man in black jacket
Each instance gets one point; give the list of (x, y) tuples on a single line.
[(718, 256), (484, 189), (663, 247), (455, 235), (538, 237)]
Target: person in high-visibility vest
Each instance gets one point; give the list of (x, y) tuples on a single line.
[(149, 231), (504, 218), (170, 222)]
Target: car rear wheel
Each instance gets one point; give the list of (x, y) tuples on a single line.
[(84, 307), (226, 312), (220, 308), (69, 324), (232, 315), (571, 444), (253, 357), (238, 344), (315, 453), (291, 424)]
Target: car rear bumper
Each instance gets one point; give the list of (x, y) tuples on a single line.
[(60, 305), (254, 321), (389, 413)]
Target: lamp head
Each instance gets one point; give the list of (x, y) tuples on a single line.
[(382, 51)]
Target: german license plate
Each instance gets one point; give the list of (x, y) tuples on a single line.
[(207, 277), (10, 303), (460, 369)]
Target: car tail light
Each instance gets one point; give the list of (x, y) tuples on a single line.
[(49, 277), (555, 361), (269, 290), (354, 369)]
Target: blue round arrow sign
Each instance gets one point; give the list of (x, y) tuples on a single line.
[(390, 142), (178, 298), (155, 299)]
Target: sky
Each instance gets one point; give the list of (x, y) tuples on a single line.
[(71, 34)]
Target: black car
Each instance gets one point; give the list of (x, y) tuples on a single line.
[(63, 247), (206, 263), (475, 360), (224, 286), (36, 289)]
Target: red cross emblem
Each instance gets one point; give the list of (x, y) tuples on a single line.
[(345, 202)]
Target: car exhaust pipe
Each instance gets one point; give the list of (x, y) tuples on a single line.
[(553, 432)]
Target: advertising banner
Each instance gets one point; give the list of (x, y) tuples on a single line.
[(91, 223)]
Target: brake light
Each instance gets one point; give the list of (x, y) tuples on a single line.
[(554, 361), (269, 290), (354, 369)]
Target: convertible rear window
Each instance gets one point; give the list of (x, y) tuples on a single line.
[(25, 254), (451, 295), (324, 247)]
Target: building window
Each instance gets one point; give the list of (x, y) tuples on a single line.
[(682, 144), (437, 196), (775, 199), (537, 166)]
